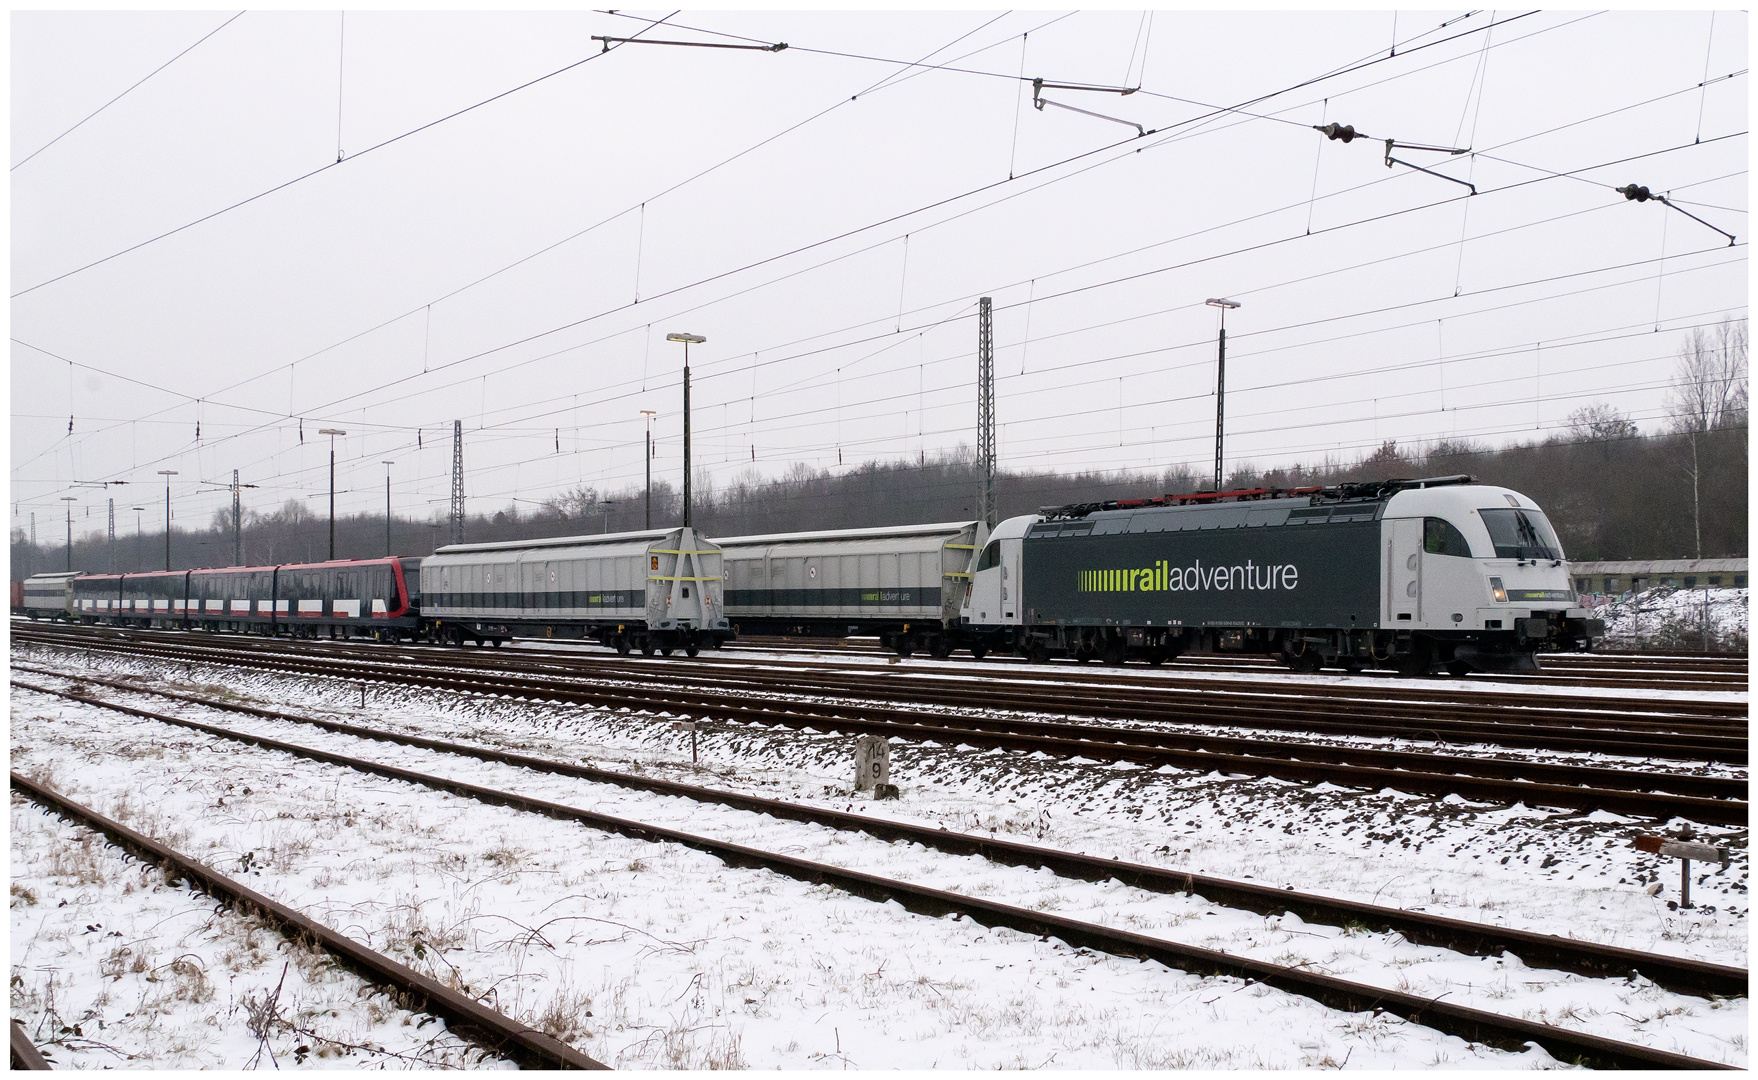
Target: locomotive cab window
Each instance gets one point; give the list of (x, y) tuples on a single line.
[(991, 556), (1440, 537), (1521, 534)]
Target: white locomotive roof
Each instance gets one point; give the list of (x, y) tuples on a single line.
[(57, 576), (1659, 566), (942, 528), (588, 540)]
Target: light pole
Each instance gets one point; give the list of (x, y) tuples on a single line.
[(649, 414), (1220, 382), (387, 465), (137, 510), (332, 433), (167, 474), (606, 504), (69, 500), (688, 340)]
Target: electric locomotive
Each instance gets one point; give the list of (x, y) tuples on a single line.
[(1407, 574)]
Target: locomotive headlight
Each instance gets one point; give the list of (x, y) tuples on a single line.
[(1495, 588)]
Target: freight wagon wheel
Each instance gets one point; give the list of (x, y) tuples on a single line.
[(1114, 654), (979, 651), (1458, 669), (622, 645), (1037, 653), (940, 648), (1158, 657), (665, 650), (692, 649)]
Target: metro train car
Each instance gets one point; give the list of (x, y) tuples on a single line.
[(654, 591), (901, 583), (1409, 574), (377, 598), (49, 596)]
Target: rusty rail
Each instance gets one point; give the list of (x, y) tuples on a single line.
[(467, 1016), (25, 1055)]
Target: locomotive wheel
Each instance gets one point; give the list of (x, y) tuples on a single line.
[(979, 651), (1308, 662), (692, 649), (1458, 669), (1037, 653), (1158, 657), (665, 650)]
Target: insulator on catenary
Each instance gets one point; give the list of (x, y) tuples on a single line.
[(1633, 191), (1338, 132)]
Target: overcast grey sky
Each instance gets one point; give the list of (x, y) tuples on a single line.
[(827, 216)]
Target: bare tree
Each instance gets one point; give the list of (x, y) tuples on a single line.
[(1709, 394)]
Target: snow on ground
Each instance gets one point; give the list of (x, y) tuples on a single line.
[(113, 968), (662, 956), (1670, 618), (1495, 864)]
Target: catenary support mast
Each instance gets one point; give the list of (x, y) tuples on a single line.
[(986, 405)]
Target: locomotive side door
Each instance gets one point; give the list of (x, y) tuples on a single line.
[(984, 606), (1010, 579), (1401, 579)]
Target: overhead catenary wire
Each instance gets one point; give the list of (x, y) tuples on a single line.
[(285, 184), (1514, 185), (126, 92)]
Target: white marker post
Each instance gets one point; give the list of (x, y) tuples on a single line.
[(873, 767), (1684, 849)]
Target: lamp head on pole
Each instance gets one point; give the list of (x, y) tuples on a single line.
[(69, 498), (331, 431), (167, 472), (688, 339), (387, 462), (1217, 302), (648, 413)]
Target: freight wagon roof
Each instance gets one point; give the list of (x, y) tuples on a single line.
[(556, 541), (941, 528)]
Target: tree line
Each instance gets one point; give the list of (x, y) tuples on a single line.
[(1611, 490)]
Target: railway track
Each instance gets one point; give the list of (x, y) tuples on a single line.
[(1686, 672), (1674, 973), (1646, 793), (1640, 727), (1468, 1023), (491, 1029)]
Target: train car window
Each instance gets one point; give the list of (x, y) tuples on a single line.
[(1439, 537), (991, 556), (1521, 534)]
